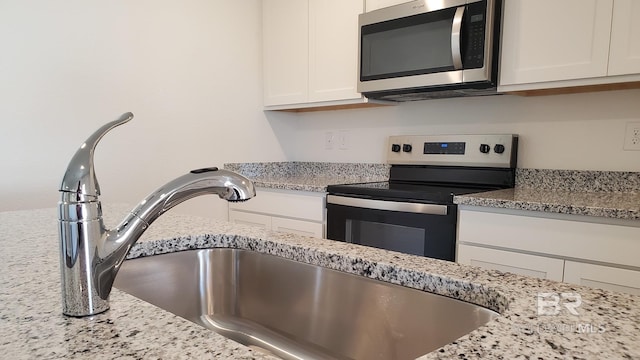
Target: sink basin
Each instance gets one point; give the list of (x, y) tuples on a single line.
[(296, 310)]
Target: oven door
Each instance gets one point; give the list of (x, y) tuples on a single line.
[(413, 228)]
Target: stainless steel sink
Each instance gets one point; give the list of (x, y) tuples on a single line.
[(296, 310)]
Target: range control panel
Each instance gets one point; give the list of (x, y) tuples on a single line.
[(454, 150)]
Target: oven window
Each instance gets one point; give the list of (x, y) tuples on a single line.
[(400, 238)]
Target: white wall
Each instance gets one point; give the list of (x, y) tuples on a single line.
[(189, 70), (578, 131), (191, 73)]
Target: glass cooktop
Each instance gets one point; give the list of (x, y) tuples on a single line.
[(385, 190)]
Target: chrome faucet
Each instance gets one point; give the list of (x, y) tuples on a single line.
[(90, 254)]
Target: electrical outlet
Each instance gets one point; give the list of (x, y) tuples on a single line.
[(343, 140), (328, 140), (632, 136)]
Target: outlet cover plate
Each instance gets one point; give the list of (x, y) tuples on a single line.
[(328, 140), (632, 136)]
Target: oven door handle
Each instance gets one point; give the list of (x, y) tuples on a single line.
[(429, 209)]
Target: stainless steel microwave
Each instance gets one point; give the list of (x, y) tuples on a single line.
[(429, 49)]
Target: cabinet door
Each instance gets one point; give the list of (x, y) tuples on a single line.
[(245, 218), (550, 40), (333, 49), (306, 228), (285, 203), (624, 57), (285, 50), (379, 4), (528, 232), (602, 277), (507, 261)]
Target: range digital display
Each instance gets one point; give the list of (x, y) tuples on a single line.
[(444, 148)]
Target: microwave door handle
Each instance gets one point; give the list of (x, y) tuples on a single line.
[(456, 34)]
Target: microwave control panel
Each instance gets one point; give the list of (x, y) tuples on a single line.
[(454, 150), (474, 35)]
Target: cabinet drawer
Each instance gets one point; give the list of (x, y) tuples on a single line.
[(521, 264), (299, 227), (603, 277), (614, 244), (299, 205), (244, 218)]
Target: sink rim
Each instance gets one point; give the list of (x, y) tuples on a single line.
[(344, 258), (365, 279)]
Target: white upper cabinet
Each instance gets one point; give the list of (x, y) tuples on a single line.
[(333, 49), (310, 53), (551, 44), (625, 38), (548, 40), (371, 5), (285, 31)]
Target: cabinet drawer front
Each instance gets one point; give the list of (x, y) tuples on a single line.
[(239, 217), (298, 227), (521, 264), (603, 277), (306, 206), (613, 244)]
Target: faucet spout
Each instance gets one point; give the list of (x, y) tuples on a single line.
[(90, 254)]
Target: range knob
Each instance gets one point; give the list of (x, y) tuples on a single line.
[(395, 148), (407, 147), (484, 148), (499, 148)]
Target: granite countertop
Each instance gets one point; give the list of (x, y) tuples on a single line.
[(600, 204), (606, 194), (31, 324), (309, 176)]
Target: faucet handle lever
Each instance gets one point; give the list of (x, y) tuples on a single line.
[(204, 170), (80, 178)]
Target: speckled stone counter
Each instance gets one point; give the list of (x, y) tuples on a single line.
[(31, 325), (309, 176), (603, 194)]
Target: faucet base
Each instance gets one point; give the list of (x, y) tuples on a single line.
[(73, 314), (79, 291)]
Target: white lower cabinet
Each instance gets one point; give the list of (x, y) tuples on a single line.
[(306, 228), (552, 246), (296, 212), (513, 262), (603, 277), (247, 218)]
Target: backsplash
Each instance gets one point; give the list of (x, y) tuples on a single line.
[(575, 180)]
